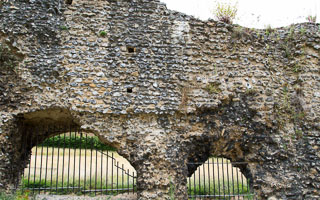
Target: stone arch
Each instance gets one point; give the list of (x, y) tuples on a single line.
[(230, 131), (23, 132), (219, 176)]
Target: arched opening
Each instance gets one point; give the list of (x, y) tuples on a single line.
[(76, 162), (50, 154), (219, 178)]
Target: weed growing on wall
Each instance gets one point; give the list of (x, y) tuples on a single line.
[(225, 12), (213, 88), (103, 33), (64, 28)]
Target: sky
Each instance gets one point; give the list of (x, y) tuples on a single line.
[(253, 13)]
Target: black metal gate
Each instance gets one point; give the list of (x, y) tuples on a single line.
[(219, 179), (79, 164)]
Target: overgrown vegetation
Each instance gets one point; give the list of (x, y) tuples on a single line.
[(77, 142), (225, 12), (287, 110), (269, 30), (19, 195), (239, 33)]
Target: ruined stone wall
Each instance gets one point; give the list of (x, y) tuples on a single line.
[(165, 89)]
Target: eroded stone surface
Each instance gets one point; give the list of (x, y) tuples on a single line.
[(165, 89)]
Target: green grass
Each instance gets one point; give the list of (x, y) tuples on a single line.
[(76, 142), (193, 190), (219, 189), (65, 188), (19, 195)]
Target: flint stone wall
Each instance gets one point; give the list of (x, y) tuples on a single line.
[(165, 89)]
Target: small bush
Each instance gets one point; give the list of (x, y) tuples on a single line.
[(225, 12)]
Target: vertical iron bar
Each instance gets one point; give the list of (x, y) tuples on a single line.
[(74, 160), (117, 177), (80, 146), (242, 182), (35, 162), (112, 173), (96, 172), (128, 180), (58, 162), (41, 154), (218, 176), (69, 147), (31, 135), (194, 184), (204, 179), (199, 181), (213, 177), (107, 171), (52, 156), (101, 162), (64, 145), (238, 183), (133, 181), (45, 176), (228, 180), (223, 186), (122, 177), (91, 161), (85, 163), (232, 179), (209, 176)]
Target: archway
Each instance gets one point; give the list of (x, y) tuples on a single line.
[(50, 153), (219, 178), (76, 162)]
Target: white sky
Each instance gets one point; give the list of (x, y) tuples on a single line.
[(254, 13)]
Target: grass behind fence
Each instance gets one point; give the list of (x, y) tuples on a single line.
[(218, 189), (79, 187)]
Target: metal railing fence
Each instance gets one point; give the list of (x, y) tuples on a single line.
[(78, 163)]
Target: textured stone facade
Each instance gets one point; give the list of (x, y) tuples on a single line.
[(165, 89)]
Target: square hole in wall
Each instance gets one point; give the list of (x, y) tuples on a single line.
[(131, 49), (129, 90)]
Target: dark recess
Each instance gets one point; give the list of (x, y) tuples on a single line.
[(131, 49), (129, 90)]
